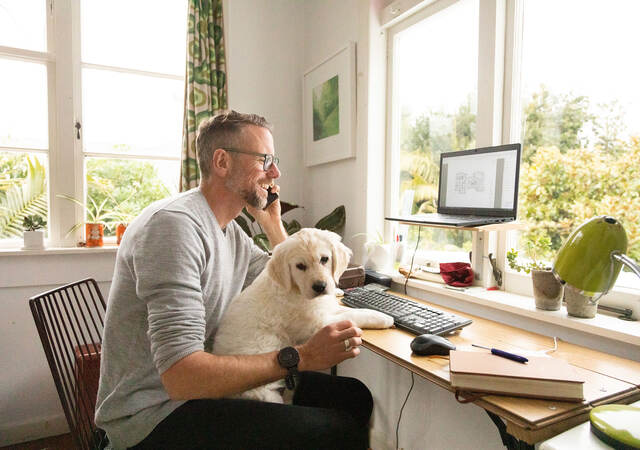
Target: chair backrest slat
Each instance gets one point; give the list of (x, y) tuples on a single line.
[(70, 321)]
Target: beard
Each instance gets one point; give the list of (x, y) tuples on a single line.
[(253, 198), (250, 194)]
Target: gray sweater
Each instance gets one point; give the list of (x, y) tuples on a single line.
[(176, 271)]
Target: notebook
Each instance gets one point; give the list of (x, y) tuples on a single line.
[(476, 187), (541, 377)]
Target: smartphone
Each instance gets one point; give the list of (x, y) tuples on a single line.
[(271, 197)]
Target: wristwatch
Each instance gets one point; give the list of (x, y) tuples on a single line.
[(289, 358)]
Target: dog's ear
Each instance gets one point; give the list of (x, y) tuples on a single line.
[(340, 254), (278, 266)]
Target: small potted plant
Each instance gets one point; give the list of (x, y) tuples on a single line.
[(547, 290), (33, 233), (97, 218)]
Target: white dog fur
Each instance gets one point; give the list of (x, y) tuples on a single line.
[(281, 308)]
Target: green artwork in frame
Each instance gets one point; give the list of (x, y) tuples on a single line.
[(326, 116)]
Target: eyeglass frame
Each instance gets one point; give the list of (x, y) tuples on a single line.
[(269, 160)]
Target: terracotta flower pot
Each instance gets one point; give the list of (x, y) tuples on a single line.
[(120, 229), (94, 233), (547, 290)]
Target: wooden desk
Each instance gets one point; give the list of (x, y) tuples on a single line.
[(610, 379)]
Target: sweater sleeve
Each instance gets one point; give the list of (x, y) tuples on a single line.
[(168, 262)]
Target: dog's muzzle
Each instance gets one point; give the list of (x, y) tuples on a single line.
[(319, 287)]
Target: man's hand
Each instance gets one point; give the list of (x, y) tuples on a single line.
[(270, 219), (327, 347)]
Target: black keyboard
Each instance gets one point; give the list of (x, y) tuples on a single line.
[(417, 318)]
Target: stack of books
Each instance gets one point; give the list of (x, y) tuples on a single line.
[(540, 377)]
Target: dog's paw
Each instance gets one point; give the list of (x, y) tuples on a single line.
[(377, 319), (386, 320)]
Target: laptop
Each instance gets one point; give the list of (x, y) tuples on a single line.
[(476, 187)]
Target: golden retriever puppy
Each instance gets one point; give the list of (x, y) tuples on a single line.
[(290, 301)]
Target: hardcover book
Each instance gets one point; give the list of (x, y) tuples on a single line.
[(540, 377)]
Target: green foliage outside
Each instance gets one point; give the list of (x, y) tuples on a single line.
[(326, 118), (123, 187), (575, 165), (23, 192)]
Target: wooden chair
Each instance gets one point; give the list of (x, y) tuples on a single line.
[(70, 320)]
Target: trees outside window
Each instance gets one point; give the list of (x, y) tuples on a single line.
[(580, 119)]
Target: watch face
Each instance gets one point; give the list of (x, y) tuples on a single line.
[(288, 357)]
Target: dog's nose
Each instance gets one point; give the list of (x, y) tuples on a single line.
[(319, 286)]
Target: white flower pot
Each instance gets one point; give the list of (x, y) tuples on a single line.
[(33, 240)]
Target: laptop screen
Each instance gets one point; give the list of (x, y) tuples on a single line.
[(482, 182)]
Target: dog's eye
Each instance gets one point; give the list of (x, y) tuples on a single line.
[(301, 266), (324, 260)]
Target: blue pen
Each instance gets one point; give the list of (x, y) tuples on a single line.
[(502, 353)]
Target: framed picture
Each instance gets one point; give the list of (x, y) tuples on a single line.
[(329, 108)]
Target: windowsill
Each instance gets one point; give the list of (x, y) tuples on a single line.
[(107, 248), (602, 325)]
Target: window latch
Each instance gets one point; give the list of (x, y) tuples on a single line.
[(78, 126)]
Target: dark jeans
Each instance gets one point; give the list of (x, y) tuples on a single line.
[(328, 412)]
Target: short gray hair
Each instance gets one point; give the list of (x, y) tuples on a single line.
[(222, 131)]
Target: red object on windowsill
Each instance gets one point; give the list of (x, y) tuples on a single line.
[(457, 274)]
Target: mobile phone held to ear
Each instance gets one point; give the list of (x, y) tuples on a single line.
[(271, 197)]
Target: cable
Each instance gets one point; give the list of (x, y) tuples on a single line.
[(555, 346), (401, 409), (415, 250)]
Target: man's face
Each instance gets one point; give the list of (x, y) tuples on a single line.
[(248, 178)]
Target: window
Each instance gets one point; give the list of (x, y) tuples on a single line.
[(132, 103), (465, 74), (24, 130), (119, 78), (580, 104), (434, 92)]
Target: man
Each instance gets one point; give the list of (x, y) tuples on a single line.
[(179, 265)]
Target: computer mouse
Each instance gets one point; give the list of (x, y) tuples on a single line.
[(431, 344)]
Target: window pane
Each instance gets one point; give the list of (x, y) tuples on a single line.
[(581, 119), (143, 34), (435, 105), (23, 190), (23, 108), (23, 24), (131, 114), (128, 186)]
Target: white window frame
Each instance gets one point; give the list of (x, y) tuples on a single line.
[(500, 30), (66, 158)]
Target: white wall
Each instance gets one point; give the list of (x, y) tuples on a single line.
[(264, 62)]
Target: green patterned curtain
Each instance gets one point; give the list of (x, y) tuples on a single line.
[(205, 83)]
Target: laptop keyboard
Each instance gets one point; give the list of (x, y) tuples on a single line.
[(417, 318)]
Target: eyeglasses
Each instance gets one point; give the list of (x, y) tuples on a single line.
[(267, 162)]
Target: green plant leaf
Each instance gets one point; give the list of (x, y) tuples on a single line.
[(23, 198), (249, 216), (334, 220), (286, 207), (262, 241), (243, 224), (292, 227)]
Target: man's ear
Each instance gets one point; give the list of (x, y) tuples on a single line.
[(220, 162), (341, 255), (278, 266)]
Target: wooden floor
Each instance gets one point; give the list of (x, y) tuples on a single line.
[(62, 442)]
